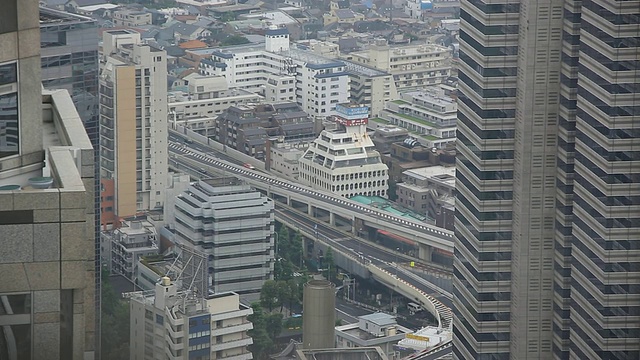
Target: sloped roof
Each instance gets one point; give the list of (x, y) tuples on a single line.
[(345, 14), (82, 3), (184, 29)]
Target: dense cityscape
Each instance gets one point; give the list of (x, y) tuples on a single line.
[(330, 180)]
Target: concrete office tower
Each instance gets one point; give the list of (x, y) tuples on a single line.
[(69, 60), (319, 314), (546, 214), (604, 263), (344, 161), (46, 205), (168, 323), (133, 124), (233, 224)]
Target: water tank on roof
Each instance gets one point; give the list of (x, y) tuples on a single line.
[(426, 5)]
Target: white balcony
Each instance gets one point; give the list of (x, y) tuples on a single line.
[(232, 344), (247, 356), (232, 329), (231, 314), (173, 346)]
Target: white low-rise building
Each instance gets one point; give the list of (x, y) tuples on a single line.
[(170, 323), (378, 329), (344, 161), (124, 246), (282, 73), (208, 97), (284, 157), (424, 339), (428, 114)]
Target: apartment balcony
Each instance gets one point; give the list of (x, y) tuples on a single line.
[(231, 329), (172, 345), (173, 333), (245, 356), (232, 344), (232, 314)]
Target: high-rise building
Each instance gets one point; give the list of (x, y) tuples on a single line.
[(69, 60), (546, 255), (46, 205), (170, 323), (133, 125), (233, 225)]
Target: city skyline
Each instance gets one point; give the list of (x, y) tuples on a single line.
[(176, 176)]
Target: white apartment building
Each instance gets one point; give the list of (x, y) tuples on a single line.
[(168, 323), (320, 83), (124, 246), (344, 161), (233, 224), (412, 66), (428, 114), (133, 124), (207, 97), (280, 88)]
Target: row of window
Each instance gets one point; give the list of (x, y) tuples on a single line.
[(9, 123)]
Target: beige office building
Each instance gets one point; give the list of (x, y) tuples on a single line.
[(133, 125), (46, 205)]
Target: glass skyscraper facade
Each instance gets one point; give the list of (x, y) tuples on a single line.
[(547, 258)]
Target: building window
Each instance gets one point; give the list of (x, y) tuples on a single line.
[(9, 126), (9, 17)]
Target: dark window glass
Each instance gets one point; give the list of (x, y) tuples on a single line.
[(9, 16), (8, 73), (486, 29), (9, 139), (495, 8), (488, 50), (21, 346)]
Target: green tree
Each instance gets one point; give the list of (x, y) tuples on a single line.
[(114, 327), (296, 249), (228, 16), (329, 264), (273, 325), (234, 40), (283, 269), (293, 293), (262, 344), (283, 240), (282, 289), (269, 295)]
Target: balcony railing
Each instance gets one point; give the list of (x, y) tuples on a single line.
[(232, 344)]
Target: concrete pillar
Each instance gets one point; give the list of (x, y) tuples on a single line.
[(425, 252), (332, 218), (311, 210)]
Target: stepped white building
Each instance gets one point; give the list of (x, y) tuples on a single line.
[(344, 161)]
